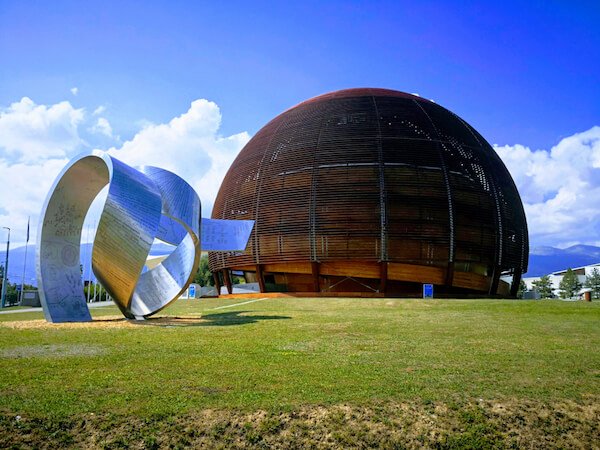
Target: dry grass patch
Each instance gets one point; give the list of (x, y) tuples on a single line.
[(481, 424), (52, 351), (106, 322), (102, 322)]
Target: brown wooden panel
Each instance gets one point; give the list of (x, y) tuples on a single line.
[(361, 269), (291, 267), (473, 281), (297, 282), (419, 274)]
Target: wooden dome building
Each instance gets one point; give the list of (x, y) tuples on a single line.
[(373, 191)]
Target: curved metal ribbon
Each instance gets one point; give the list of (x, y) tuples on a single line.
[(140, 206)]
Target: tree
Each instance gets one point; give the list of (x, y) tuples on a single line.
[(204, 276), (592, 281), (569, 285), (522, 289), (12, 293), (101, 294), (544, 286)]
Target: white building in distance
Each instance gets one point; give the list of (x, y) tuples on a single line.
[(556, 277)]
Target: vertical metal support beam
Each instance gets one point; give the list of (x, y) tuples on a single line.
[(227, 280), (312, 213), (312, 216), (217, 282), (382, 192), (261, 280), (315, 273), (514, 287), (383, 275)]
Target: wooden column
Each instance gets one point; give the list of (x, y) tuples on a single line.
[(217, 282), (514, 287), (315, 273), (261, 280), (227, 280), (450, 274), (495, 281), (383, 275)]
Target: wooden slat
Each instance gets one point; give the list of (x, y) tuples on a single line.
[(473, 281), (288, 267), (419, 274), (360, 269)]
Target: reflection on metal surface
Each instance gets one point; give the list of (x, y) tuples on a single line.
[(141, 205), (225, 235)]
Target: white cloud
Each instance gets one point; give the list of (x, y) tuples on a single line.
[(99, 110), (22, 192), (74, 90), (560, 188), (36, 142), (102, 126), (190, 146), (29, 132)]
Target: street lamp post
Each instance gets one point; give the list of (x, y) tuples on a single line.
[(5, 275), (24, 265)]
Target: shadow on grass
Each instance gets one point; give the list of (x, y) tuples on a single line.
[(208, 320)]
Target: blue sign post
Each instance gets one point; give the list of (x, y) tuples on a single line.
[(192, 291), (428, 291)]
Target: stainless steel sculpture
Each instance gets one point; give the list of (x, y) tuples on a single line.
[(141, 205)]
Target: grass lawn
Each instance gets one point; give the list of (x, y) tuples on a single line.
[(326, 373)]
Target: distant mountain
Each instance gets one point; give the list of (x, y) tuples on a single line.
[(586, 250), (545, 251), (545, 260), (15, 264), (17, 258)]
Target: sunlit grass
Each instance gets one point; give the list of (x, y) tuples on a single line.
[(284, 353), (306, 373)]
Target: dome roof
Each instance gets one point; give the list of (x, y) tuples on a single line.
[(374, 175)]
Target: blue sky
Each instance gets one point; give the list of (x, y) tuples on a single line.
[(117, 75)]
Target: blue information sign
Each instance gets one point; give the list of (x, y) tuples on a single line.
[(192, 291), (428, 291)]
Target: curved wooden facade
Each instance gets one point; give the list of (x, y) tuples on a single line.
[(373, 190)]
